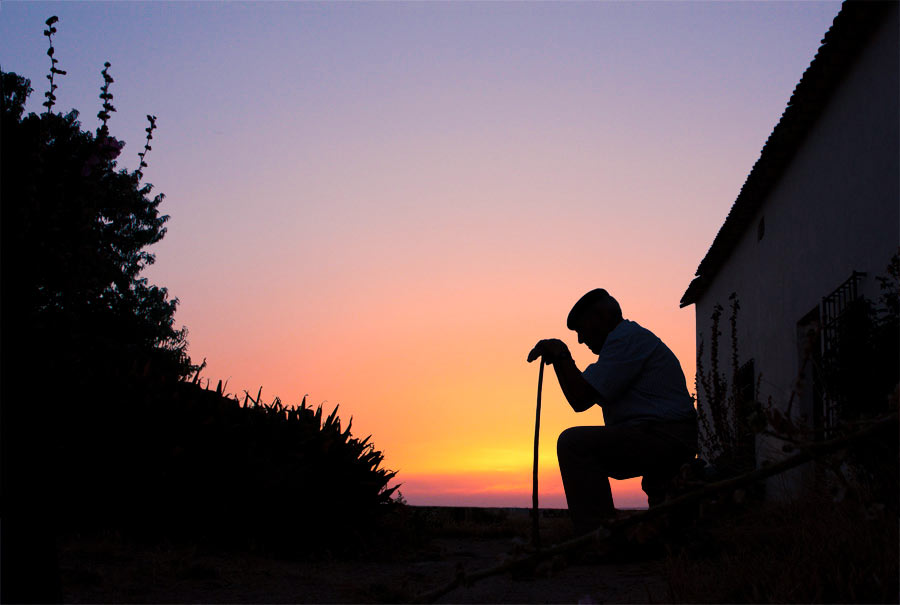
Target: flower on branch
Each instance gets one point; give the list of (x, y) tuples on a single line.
[(107, 97), (149, 130), (51, 98)]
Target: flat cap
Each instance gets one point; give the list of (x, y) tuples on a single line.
[(584, 303)]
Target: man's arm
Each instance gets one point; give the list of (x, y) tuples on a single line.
[(578, 391)]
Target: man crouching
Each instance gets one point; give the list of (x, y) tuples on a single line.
[(651, 424)]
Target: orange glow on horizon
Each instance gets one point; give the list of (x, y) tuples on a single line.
[(504, 489)]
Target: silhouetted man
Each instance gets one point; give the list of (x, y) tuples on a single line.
[(651, 424)]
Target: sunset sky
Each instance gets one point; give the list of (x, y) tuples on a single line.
[(385, 205)]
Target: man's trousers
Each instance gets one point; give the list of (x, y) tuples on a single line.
[(590, 455)]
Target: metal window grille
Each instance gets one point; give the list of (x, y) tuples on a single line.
[(833, 308)]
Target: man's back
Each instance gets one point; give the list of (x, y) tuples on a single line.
[(639, 378)]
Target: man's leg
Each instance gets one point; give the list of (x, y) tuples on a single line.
[(672, 445), (655, 483), (588, 456)]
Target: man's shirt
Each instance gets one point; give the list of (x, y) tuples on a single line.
[(639, 378)]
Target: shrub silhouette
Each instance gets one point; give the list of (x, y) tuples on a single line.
[(729, 416), (182, 461)]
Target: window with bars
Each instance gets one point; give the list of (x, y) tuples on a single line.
[(841, 329)]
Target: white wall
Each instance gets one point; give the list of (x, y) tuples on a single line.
[(836, 210)]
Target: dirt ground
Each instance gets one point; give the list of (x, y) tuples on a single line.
[(107, 568)]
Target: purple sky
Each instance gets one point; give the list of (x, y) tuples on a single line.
[(384, 205)]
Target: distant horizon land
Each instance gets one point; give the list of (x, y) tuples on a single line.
[(627, 494), (515, 508)]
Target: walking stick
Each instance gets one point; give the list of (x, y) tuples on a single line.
[(535, 531)]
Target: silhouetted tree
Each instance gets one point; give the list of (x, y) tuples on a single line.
[(77, 227)]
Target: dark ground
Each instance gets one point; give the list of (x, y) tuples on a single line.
[(107, 567), (812, 550)]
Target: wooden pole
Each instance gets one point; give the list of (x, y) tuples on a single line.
[(535, 513)]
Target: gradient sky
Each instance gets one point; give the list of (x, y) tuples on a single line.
[(385, 205)]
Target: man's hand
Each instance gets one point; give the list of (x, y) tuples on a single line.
[(551, 349), (579, 393)]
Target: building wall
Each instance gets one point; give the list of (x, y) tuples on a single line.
[(836, 210)]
